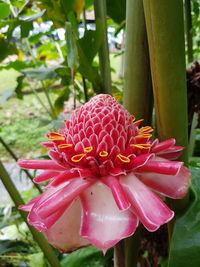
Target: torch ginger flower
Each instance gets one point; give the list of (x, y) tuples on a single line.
[(103, 171)]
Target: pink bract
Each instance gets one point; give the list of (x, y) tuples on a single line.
[(103, 172)]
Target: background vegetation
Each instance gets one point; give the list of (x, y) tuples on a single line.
[(55, 55)]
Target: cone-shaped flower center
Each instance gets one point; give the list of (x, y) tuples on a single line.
[(102, 136)]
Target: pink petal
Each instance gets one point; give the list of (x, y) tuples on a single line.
[(45, 223), (40, 164), (150, 210), (29, 205), (163, 145), (174, 186), (117, 191), (141, 160), (45, 176), (103, 223), (63, 177), (63, 197), (171, 153), (64, 234), (42, 224), (162, 167), (47, 144)]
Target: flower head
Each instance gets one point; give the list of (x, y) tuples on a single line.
[(106, 174)]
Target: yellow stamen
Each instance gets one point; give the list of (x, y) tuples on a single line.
[(103, 154), (88, 149), (78, 157), (142, 146), (138, 121), (133, 117), (123, 158), (53, 136), (56, 138), (146, 129), (64, 145), (143, 135)]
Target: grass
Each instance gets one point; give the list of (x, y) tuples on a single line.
[(20, 120)]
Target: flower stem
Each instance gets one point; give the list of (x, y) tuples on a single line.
[(138, 95), (104, 60), (131, 248), (167, 57), (39, 238), (119, 255), (188, 27)]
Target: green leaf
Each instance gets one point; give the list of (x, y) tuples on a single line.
[(32, 17), (62, 97), (88, 3), (72, 52), (67, 5), (88, 257), (116, 9), (18, 65), (7, 246), (19, 87), (37, 259), (91, 41), (65, 74), (6, 49), (26, 28), (54, 11), (4, 10), (41, 73), (72, 19), (185, 244)]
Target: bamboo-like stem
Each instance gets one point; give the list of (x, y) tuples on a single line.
[(10, 151), (131, 248), (83, 78), (167, 57), (104, 60), (188, 28), (119, 255), (39, 238), (138, 95)]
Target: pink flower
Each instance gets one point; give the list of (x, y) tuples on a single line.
[(103, 173)]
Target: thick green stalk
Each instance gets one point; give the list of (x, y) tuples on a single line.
[(104, 60), (138, 96), (188, 28), (165, 30), (9, 150), (131, 248), (39, 238)]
